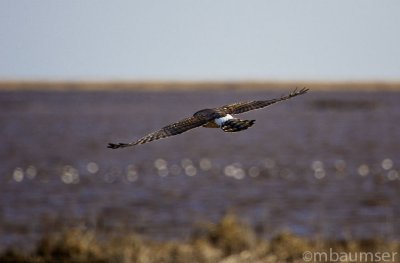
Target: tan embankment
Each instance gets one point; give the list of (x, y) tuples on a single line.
[(194, 85)]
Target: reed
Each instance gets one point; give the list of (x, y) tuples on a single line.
[(228, 241)]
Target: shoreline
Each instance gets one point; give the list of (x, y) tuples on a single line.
[(50, 85)]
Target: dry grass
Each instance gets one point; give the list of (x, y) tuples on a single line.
[(229, 241)]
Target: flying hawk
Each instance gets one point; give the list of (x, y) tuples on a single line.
[(211, 118)]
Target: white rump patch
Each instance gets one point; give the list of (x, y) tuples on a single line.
[(222, 120)]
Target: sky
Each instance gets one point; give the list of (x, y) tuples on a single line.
[(318, 40)]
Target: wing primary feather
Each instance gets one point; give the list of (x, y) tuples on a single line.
[(241, 107), (169, 130)]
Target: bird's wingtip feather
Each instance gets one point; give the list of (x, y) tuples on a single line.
[(117, 145)]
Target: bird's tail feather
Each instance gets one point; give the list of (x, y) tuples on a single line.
[(235, 125)]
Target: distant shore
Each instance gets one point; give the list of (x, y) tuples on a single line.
[(24, 85)]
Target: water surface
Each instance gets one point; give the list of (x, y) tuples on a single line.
[(325, 163)]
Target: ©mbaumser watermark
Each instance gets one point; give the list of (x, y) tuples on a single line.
[(337, 256)]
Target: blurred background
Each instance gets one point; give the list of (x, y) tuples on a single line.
[(76, 75)]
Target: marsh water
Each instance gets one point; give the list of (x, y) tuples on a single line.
[(325, 163)]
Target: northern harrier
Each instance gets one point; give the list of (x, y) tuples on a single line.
[(211, 118)]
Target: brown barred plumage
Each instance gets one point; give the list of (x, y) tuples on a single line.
[(169, 130), (209, 118), (240, 107)]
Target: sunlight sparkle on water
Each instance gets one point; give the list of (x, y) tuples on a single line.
[(318, 167), (190, 170), (363, 170), (92, 167), (234, 170), (254, 171), (205, 164), (111, 176), (319, 173), (228, 170), (70, 175), (163, 172), (160, 164), (393, 175), (269, 163), (18, 174), (31, 172), (239, 174), (387, 164), (186, 162), (131, 173)]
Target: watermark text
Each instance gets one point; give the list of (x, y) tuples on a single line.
[(359, 256)]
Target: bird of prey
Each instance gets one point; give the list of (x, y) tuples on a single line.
[(220, 117)]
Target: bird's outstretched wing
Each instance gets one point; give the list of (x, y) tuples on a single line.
[(169, 130), (240, 107)]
